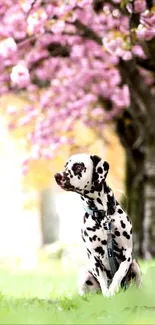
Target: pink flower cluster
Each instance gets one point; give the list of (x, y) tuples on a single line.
[(64, 55), (146, 29)]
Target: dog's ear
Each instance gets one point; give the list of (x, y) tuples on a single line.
[(100, 170)]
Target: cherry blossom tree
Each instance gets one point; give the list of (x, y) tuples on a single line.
[(88, 60)]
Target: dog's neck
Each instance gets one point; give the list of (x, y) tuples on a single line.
[(101, 200)]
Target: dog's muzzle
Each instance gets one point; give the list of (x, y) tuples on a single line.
[(58, 178)]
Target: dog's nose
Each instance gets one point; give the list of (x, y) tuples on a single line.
[(58, 177)]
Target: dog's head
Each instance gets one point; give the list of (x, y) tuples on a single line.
[(83, 174)]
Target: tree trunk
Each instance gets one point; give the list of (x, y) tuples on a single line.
[(136, 130), (135, 197), (148, 243), (49, 217), (140, 185)]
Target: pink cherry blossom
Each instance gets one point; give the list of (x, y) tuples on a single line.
[(11, 110), (138, 50), (35, 22), (144, 33), (140, 5), (7, 47), (20, 76)]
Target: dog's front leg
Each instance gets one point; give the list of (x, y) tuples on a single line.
[(103, 283), (120, 274)]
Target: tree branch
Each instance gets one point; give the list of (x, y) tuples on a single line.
[(32, 5), (86, 32), (146, 64)]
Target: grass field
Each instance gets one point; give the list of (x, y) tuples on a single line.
[(49, 296)]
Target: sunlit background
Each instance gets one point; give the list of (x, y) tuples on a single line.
[(36, 215)]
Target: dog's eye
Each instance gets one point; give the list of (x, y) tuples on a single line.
[(77, 168)]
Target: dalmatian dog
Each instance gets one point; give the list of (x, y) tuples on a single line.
[(86, 175)]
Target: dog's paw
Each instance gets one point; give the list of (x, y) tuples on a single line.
[(105, 292), (113, 290)]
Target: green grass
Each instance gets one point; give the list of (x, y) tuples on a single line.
[(49, 296)]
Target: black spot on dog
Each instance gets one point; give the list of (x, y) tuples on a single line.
[(131, 231), (90, 229), (94, 238), (83, 237), (125, 234), (78, 168), (120, 211), (95, 181), (85, 233), (86, 192), (106, 166), (91, 204), (97, 271), (100, 170), (98, 186), (99, 250), (78, 189), (104, 242), (108, 273), (123, 224), (99, 201), (97, 226), (129, 259), (117, 233), (95, 177), (88, 251), (90, 239), (120, 256), (98, 264), (89, 283), (128, 219), (86, 216), (106, 188), (123, 258)]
